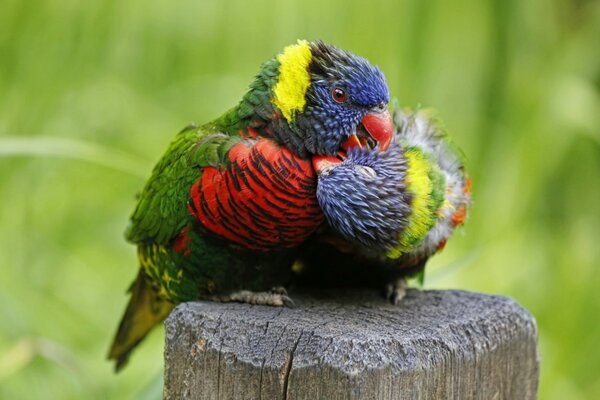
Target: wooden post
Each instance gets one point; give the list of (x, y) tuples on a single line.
[(353, 345)]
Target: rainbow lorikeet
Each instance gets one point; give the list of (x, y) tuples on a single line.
[(230, 201), (388, 211)]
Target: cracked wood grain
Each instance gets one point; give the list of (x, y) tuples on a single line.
[(353, 345)]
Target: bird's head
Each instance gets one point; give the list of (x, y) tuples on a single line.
[(364, 197), (327, 100)]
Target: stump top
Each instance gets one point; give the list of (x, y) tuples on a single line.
[(355, 330)]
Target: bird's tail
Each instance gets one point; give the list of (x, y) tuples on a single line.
[(145, 310)]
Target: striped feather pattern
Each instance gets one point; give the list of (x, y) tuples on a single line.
[(263, 199)]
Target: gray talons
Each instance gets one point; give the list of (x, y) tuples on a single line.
[(270, 298), (396, 291)]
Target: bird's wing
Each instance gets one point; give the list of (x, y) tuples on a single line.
[(161, 211)]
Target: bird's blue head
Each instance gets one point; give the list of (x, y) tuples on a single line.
[(364, 197), (328, 99)]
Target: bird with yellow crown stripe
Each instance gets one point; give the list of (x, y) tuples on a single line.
[(388, 211), (229, 202)]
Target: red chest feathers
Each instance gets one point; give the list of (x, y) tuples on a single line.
[(264, 199)]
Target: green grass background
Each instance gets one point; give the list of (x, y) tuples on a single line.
[(91, 93)]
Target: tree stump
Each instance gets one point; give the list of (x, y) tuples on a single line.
[(353, 345)]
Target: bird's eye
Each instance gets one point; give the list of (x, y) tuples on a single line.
[(338, 95)]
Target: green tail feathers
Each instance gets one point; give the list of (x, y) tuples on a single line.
[(144, 311)]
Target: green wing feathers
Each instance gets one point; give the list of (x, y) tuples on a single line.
[(159, 217), (161, 212), (212, 150)]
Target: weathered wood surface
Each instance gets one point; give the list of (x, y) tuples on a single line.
[(353, 345)]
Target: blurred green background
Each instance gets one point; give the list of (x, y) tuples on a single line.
[(92, 92)]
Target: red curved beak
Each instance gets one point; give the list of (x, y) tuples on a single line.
[(380, 126)]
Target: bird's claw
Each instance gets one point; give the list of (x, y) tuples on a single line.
[(396, 291), (277, 297)]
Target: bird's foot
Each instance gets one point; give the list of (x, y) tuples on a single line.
[(277, 297), (395, 291)]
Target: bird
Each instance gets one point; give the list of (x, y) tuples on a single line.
[(388, 211), (230, 201)]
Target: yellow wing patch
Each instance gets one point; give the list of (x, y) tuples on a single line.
[(419, 221), (293, 80)]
